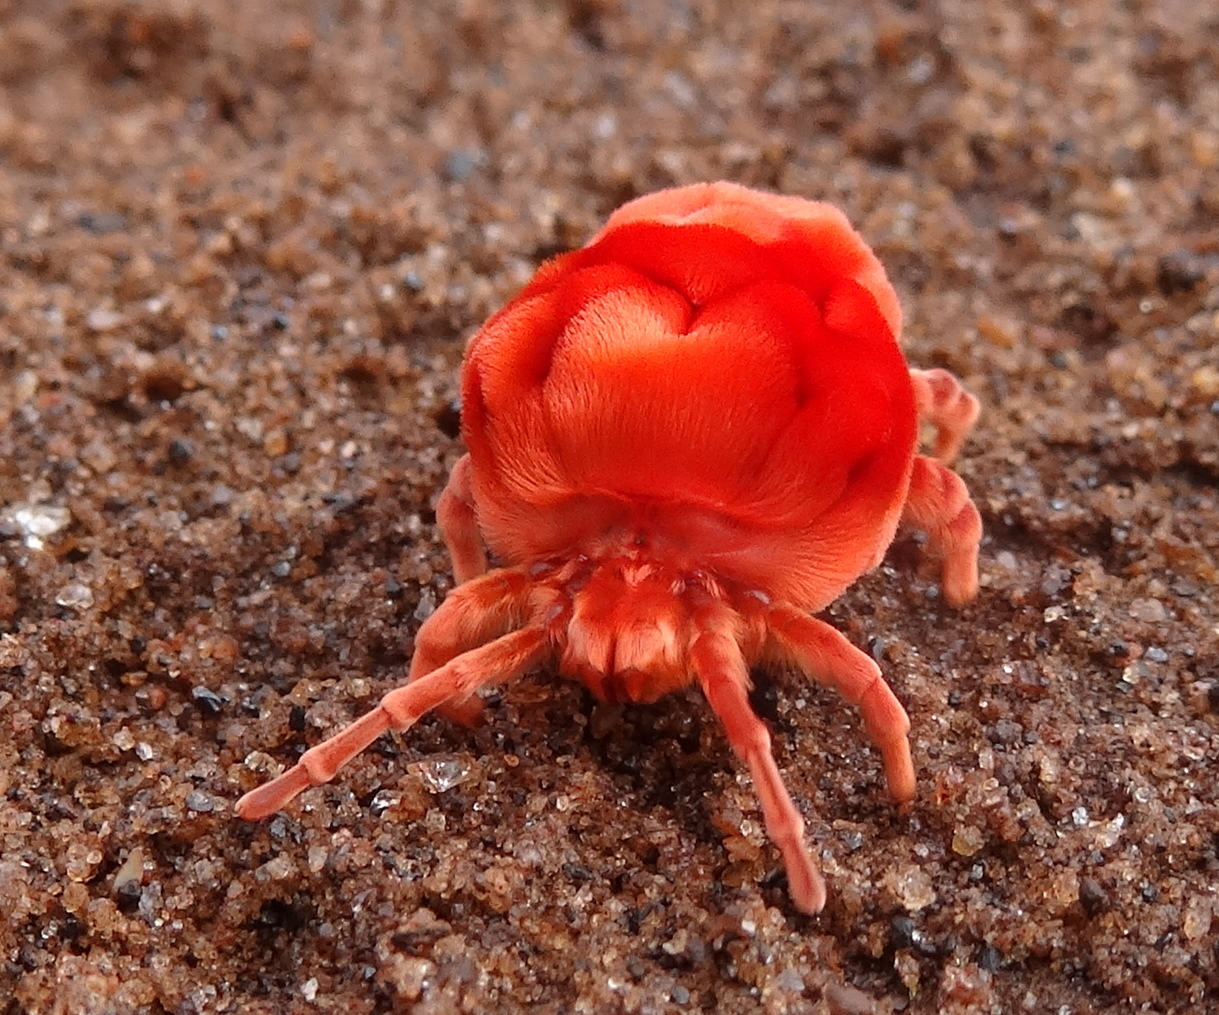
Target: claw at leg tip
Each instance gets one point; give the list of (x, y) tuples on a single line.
[(804, 881), (245, 807), (248, 807), (903, 794), (272, 796), (961, 592), (808, 892)]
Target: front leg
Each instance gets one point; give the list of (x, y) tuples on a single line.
[(499, 661), (473, 614), (823, 653), (721, 669)]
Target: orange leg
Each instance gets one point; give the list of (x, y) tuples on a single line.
[(947, 406), (501, 660), (459, 524), (939, 505), (822, 652), (473, 614), (717, 659)]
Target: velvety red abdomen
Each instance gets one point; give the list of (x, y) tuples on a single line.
[(740, 398)]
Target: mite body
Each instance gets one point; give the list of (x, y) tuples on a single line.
[(684, 440)]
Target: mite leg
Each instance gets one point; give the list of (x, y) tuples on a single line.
[(939, 504), (459, 525), (724, 677), (472, 614), (825, 654), (947, 406), (503, 659)]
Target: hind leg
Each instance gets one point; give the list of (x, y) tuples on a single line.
[(824, 653), (946, 405), (939, 504)]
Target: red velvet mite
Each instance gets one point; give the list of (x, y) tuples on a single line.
[(685, 439)]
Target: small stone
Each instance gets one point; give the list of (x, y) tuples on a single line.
[(407, 975), (98, 455), (790, 982), (907, 968), (130, 872), (967, 840), (1092, 896), (965, 987), (36, 521), (1150, 611), (912, 887), (427, 605), (460, 164), (103, 319), (75, 596), (383, 801), (843, 999), (442, 774), (24, 387), (1108, 832), (1198, 916), (200, 802), (209, 702), (1061, 893), (676, 944), (1205, 381), (275, 869), (1001, 332), (82, 861)]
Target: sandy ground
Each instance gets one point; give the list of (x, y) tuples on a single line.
[(241, 248)]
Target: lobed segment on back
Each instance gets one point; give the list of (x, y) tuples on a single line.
[(719, 356)]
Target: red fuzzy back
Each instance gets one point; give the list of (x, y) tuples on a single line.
[(716, 376)]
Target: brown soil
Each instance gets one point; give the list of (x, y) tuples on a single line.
[(241, 246)]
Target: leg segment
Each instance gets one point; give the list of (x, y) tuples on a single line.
[(939, 504), (724, 677), (503, 659), (459, 525), (947, 406), (823, 653), (472, 614)]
